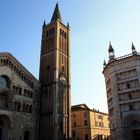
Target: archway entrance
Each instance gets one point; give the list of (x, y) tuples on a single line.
[(4, 127), (26, 135), (132, 127), (136, 134)]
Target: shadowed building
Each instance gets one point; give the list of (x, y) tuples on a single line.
[(19, 101), (55, 80), (89, 124), (28, 112), (122, 78)]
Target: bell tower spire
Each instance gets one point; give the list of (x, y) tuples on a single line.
[(56, 14), (55, 96)]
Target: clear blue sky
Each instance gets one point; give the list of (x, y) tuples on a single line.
[(93, 24)]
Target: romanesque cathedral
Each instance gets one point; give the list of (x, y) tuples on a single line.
[(32, 109)]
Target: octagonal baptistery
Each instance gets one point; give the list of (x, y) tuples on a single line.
[(19, 100), (122, 78)]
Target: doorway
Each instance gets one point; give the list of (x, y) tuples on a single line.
[(136, 134), (26, 135)]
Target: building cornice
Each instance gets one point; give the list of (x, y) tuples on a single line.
[(22, 68), (120, 59)]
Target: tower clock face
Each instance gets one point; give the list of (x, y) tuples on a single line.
[(3, 82), (63, 80)]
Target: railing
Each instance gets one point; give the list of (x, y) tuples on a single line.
[(128, 55)]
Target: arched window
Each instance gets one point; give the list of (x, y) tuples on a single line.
[(24, 92), (65, 35), (52, 31), (16, 90), (22, 75), (30, 110), (16, 106), (28, 93), (31, 94), (60, 32), (32, 85), (20, 91), (14, 68), (24, 107), (19, 106), (27, 108), (7, 80)]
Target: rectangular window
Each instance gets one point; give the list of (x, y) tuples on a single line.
[(131, 107), (100, 117), (96, 123), (85, 114), (74, 124), (128, 85), (100, 124), (85, 122)]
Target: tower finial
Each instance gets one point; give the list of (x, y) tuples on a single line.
[(134, 52), (44, 24), (56, 14), (133, 47), (110, 47), (104, 64), (68, 25), (111, 52)]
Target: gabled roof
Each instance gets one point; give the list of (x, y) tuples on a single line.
[(80, 106), (56, 14), (84, 107)]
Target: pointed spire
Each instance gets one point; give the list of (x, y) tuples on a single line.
[(110, 47), (68, 25), (104, 64), (134, 52), (133, 47), (44, 24), (111, 52), (56, 14)]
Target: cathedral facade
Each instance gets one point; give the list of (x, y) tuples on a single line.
[(19, 104), (32, 109)]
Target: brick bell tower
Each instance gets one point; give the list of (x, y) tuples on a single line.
[(55, 102)]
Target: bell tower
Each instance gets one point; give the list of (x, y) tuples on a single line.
[(55, 98)]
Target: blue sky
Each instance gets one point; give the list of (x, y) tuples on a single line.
[(93, 24)]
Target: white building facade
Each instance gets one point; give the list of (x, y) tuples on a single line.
[(122, 78)]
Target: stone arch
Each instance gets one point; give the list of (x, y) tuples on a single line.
[(130, 118), (7, 79), (27, 133), (5, 98), (131, 126)]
